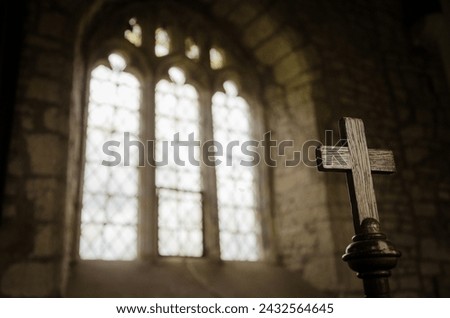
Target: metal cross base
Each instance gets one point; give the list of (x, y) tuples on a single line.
[(372, 257)]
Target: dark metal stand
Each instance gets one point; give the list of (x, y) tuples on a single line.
[(372, 256)]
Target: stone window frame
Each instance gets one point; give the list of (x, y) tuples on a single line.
[(149, 70)]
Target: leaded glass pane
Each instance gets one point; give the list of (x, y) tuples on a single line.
[(162, 42), (192, 49), (178, 171), (134, 35), (117, 62), (110, 193), (179, 223), (216, 58), (239, 222)]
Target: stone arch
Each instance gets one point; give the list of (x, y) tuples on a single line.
[(288, 68), (367, 68), (292, 83)]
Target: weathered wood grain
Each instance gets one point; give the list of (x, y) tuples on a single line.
[(359, 162), (352, 129), (337, 158), (370, 254)]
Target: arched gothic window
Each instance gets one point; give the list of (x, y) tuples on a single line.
[(110, 194), (161, 101)]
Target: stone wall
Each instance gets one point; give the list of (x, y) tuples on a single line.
[(32, 233), (318, 61)]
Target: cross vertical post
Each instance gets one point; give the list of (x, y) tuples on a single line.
[(370, 254)]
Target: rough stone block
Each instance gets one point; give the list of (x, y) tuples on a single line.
[(29, 280), (399, 239), (54, 65), (44, 42), (244, 13), (27, 122), (410, 282), (429, 287), (273, 49), (46, 153), (301, 99), (430, 268), (56, 121), (53, 24), (416, 155), (260, 29), (11, 187), (426, 209), (222, 8), (308, 77), (288, 67), (429, 248), (16, 165), (321, 273), (44, 241), (43, 89), (412, 134), (47, 197), (9, 211)]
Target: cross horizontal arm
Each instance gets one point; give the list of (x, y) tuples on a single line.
[(337, 158)]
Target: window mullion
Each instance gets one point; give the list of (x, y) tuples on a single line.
[(210, 208), (148, 228)]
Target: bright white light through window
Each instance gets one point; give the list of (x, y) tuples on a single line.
[(178, 186), (162, 42), (109, 212), (216, 59), (177, 75), (239, 222), (134, 36), (117, 62), (111, 194), (192, 49)]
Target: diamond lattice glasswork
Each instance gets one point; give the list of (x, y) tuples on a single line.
[(177, 178), (239, 222), (110, 193)]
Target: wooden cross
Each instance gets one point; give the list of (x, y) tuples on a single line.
[(359, 163), (370, 254)]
